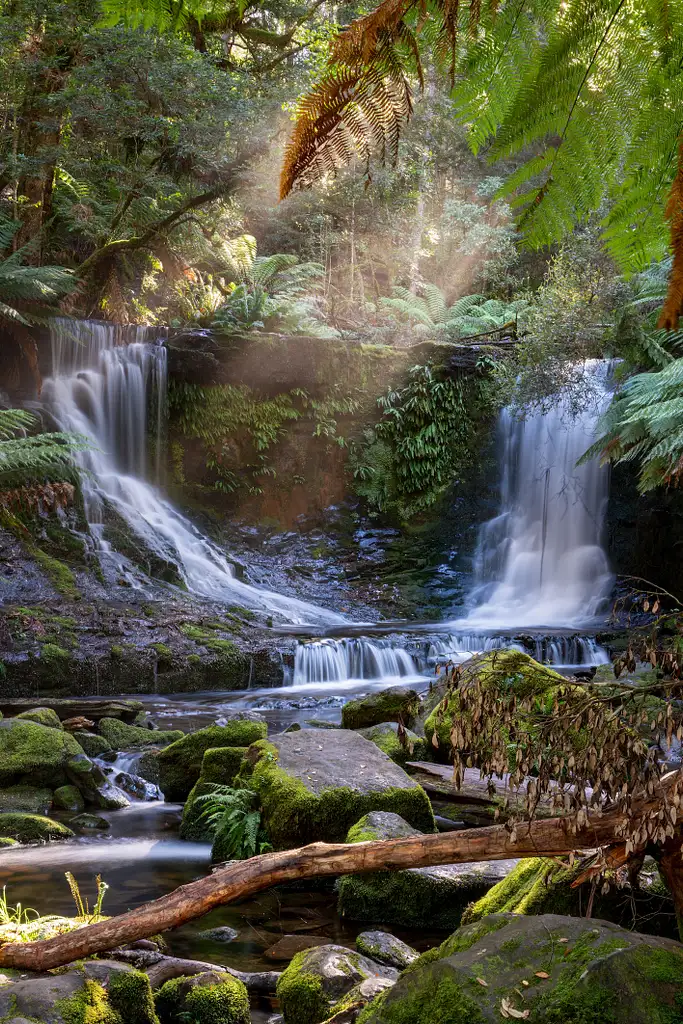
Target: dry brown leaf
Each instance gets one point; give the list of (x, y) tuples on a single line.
[(508, 1010), (541, 974), (525, 982), (563, 940), (482, 982)]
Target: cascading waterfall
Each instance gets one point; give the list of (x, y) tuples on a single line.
[(333, 661), (572, 652), (103, 379), (540, 561)]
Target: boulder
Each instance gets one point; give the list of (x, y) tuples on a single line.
[(220, 765), (180, 764), (67, 707), (417, 897), (120, 736), (43, 716), (315, 783), (34, 753), (32, 828), (26, 798), (92, 744), (208, 998), (383, 706), (99, 992), (223, 933), (549, 969), (147, 766), (68, 798), (90, 822), (385, 736), (541, 885), (91, 781), (386, 949), (289, 945), (318, 978)]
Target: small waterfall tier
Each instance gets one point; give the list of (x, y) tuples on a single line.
[(540, 561), (567, 653), (337, 661), (109, 385)]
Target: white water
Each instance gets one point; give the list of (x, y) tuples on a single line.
[(540, 561), (351, 659), (561, 652), (103, 383)]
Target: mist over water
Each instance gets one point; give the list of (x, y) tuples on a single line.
[(104, 379), (540, 561)]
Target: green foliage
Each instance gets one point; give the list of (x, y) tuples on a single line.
[(41, 458), (25, 289), (421, 442), (232, 820), (471, 314)]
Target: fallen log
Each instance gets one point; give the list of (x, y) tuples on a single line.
[(67, 707), (539, 838)]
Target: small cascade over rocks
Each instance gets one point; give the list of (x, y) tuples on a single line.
[(562, 652), (106, 382), (333, 661)]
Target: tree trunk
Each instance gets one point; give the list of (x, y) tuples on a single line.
[(671, 867), (551, 837)]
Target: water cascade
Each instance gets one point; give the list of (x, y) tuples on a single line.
[(332, 661), (104, 380), (540, 561), (562, 652)]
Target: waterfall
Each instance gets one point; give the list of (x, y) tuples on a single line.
[(104, 380), (540, 561), (565, 652), (334, 661)]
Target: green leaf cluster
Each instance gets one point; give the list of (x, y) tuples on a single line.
[(233, 820), (39, 458)]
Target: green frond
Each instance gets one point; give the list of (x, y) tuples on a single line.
[(41, 458)]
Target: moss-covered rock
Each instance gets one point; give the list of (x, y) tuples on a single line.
[(210, 998), (417, 897), (318, 978), (126, 737), (147, 766), (386, 949), (220, 765), (130, 996), (591, 972), (32, 828), (314, 784), (34, 799), (540, 885), (68, 798), (180, 764), (43, 716), (34, 752), (383, 706), (92, 744), (506, 671), (385, 736)]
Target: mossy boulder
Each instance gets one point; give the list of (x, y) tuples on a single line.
[(417, 897), (505, 672), (390, 705), (180, 764), (314, 784), (35, 799), (43, 716), (98, 992), (93, 784), (32, 828), (385, 736), (318, 978), (386, 949), (35, 753), (92, 744), (540, 885), (68, 798), (147, 766), (126, 737), (209, 998), (220, 765), (591, 972)]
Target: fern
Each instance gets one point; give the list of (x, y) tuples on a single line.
[(471, 314), (21, 287), (35, 459), (230, 815)]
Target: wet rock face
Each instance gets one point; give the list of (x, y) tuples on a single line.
[(547, 968)]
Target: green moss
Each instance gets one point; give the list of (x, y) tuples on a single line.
[(384, 706), (180, 764), (59, 574), (53, 652), (163, 650), (116, 651), (385, 736), (122, 737), (92, 744), (36, 751), (438, 999), (225, 1003), (293, 814), (130, 995), (68, 798), (220, 765), (301, 995), (43, 716), (89, 1006), (35, 799), (32, 828)]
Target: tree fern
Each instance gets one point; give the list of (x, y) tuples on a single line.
[(35, 459), (471, 314), (24, 289)]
